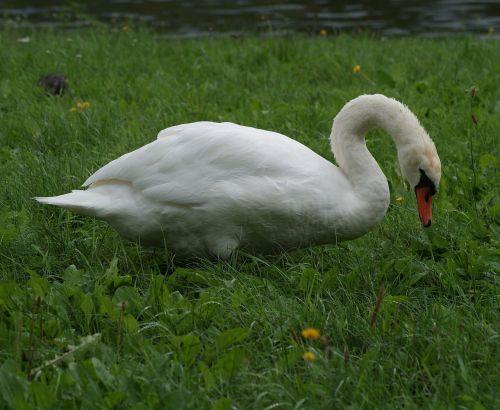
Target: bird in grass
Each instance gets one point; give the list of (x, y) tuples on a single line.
[(53, 84), (207, 189)]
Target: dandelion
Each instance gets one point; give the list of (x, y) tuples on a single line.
[(399, 199), (323, 32), (310, 333), (309, 356), (356, 68), (82, 105)]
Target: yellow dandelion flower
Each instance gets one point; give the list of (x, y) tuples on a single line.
[(73, 109), (323, 32), (81, 105), (399, 199), (309, 356), (356, 68), (310, 333)]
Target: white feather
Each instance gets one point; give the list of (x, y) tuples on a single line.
[(208, 188)]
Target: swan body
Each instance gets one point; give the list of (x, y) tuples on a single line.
[(206, 189)]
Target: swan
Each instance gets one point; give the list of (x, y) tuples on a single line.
[(206, 189)]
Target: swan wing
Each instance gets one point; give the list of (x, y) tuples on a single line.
[(188, 163)]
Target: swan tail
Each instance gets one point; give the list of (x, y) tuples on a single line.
[(102, 199), (81, 202)]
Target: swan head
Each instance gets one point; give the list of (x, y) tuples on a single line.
[(421, 167)]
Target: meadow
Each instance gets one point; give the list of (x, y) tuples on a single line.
[(408, 317)]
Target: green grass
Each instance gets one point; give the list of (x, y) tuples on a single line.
[(128, 327)]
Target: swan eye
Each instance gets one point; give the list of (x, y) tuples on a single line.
[(425, 181)]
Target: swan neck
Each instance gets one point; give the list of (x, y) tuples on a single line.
[(349, 147), (372, 111)]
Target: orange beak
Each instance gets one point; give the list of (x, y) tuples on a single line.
[(424, 203)]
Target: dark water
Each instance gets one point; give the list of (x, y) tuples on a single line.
[(199, 18)]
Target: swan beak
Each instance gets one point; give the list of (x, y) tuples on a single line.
[(424, 203)]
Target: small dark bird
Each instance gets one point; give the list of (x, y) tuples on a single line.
[(53, 84)]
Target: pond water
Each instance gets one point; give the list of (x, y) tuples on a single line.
[(200, 18)]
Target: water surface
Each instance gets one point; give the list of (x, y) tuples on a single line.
[(199, 18)]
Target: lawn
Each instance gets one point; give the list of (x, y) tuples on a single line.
[(90, 321)]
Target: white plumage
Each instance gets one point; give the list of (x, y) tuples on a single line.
[(208, 188)]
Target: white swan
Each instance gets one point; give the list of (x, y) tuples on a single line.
[(208, 188)]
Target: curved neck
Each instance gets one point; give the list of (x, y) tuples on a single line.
[(348, 139)]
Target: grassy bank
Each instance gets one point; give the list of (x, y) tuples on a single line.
[(87, 320)]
